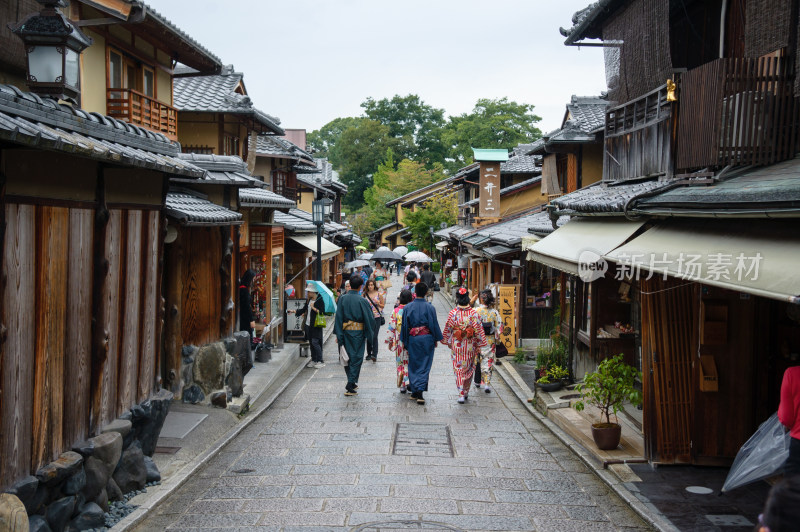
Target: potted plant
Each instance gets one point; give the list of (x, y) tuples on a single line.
[(607, 389), (553, 379)]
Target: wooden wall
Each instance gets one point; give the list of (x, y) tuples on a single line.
[(199, 294), (58, 386)]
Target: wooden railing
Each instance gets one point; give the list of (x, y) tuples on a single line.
[(287, 192), (737, 111), (134, 107), (638, 137)]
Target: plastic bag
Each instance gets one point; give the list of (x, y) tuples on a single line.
[(761, 456)]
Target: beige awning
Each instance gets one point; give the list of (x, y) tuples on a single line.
[(329, 249), (442, 245), (562, 248), (758, 257), (528, 242)]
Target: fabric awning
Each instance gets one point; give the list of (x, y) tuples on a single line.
[(442, 245), (757, 257), (562, 248), (329, 249)]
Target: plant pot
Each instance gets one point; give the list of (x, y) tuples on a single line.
[(550, 386), (606, 435)]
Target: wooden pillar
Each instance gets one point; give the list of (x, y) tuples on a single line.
[(173, 280), (100, 336)]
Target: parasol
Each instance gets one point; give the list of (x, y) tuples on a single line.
[(384, 253), (355, 264), (417, 256), (365, 256), (400, 250), (327, 296)]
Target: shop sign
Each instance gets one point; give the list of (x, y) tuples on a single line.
[(489, 203), (507, 307)]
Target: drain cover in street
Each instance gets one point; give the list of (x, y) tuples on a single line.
[(729, 520), (403, 525), (179, 424), (422, 439)]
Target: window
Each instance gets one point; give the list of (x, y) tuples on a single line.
[(231, 145), (149, 82), (125, 72)]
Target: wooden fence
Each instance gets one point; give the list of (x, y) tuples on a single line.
[(62, 378), (737, 111)]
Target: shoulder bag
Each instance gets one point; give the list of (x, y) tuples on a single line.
[(371, 302)]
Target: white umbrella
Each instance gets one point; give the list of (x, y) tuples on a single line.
[(400, 250), (417, 256), (356, 264), (365, 256), (384, 253)]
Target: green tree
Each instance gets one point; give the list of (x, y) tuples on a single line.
[(442, 208), (416, 124), (359, 151), (322, 142), (491, 124)]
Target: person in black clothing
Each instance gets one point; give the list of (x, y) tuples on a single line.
[(313, 334), (429, 278), (246, 320)]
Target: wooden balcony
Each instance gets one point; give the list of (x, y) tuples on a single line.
[(737, 111), (134, 107), (287, 192), (638, 138)]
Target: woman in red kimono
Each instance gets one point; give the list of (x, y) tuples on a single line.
[(463, 333)]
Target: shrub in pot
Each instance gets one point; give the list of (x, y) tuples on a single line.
[(553, 379), (607, 389)]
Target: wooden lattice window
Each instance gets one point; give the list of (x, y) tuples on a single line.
[(277, 237), (258, 241)]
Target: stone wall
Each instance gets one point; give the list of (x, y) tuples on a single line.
[(74, 491), (214, 373)]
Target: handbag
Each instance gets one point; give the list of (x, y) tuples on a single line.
[(436, 287), (500, 350), (320, 320), (344, 358), (383, 320)]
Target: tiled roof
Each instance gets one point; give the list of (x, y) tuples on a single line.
[(401, 231), (584, 21), (461, 231), (603, 198), (509, 232), (384, 227), (495, 251), (329, 227), (522, 164), (216, 94), (329, 176), (164, 21), (314, 181), (588, 112), (508, 190), (767, 188), (293, 223), (29, 120), (543, 225), (192, 209), (281, 147), (223, 169), (258, 197)]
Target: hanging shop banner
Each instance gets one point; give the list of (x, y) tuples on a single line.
[(507, 306), (489, 203)]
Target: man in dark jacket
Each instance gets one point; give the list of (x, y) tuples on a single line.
[(429, 278), (314, 334), (354, 324)]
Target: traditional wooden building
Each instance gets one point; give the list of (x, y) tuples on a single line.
[(684, 216), (84, 204)]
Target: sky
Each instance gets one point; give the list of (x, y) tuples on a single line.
[(310, 61)]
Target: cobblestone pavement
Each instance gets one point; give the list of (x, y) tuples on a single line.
[(317, 460)]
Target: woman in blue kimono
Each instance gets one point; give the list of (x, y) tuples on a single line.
[(419, 333)]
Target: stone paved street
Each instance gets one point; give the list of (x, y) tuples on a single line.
[(317, 460)]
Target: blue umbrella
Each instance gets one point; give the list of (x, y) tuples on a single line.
[(327, 296)]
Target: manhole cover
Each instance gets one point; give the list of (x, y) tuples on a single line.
[(422, 439), (699, 490), (410, 525), (243, 471), (729, 520)]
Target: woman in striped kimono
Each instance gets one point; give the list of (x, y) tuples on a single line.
[(463, 333), (493, 328), (401, 355)]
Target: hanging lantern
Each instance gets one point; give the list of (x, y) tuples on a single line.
[(53, 47)]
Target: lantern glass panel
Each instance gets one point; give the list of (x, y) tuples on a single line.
[(45, 63), (72, 68)]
